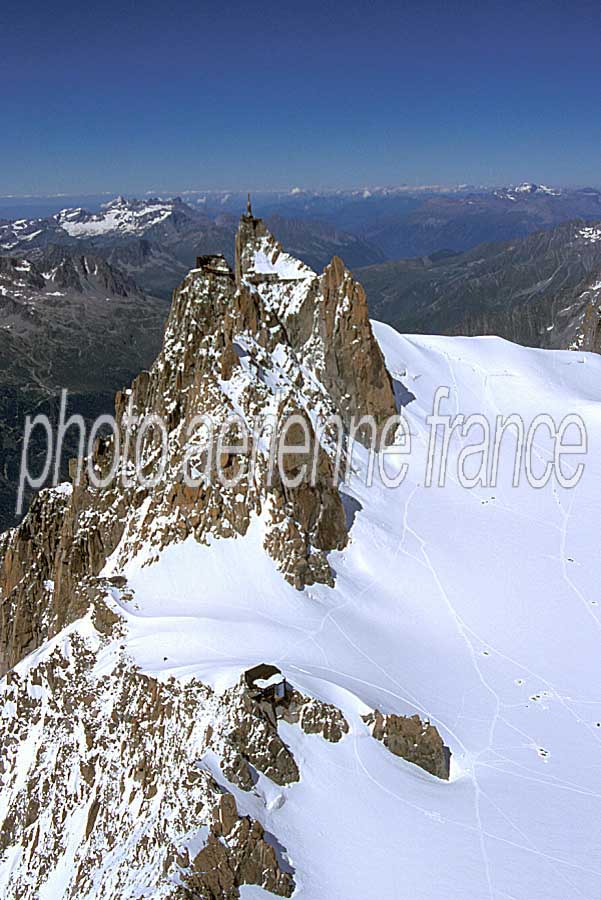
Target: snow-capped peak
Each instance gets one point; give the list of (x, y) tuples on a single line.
[(528, 187), (591, 234), (119, 216)]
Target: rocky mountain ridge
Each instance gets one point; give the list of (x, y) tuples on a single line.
[(222, 331), (542, 291), (112, 781)]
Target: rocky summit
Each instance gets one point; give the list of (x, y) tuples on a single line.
[(222, 678), (272, 338)]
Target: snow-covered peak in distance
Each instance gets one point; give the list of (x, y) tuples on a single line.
[(527, 189), (590, 233), (118, 216), (24, 233), (530, 188)]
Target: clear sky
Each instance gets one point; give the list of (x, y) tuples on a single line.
[(171, 95)]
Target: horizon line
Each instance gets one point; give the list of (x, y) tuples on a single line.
[(296, 190)]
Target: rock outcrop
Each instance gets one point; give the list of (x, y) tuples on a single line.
[(411, 738), (251, 741), (28, 564), (315, 717), (588, 333)]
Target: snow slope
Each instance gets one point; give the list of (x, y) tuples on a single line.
[(477, 608)]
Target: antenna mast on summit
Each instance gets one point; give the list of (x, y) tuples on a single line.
[(248, 206)]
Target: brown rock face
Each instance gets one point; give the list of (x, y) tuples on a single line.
[(248, 738), (28, 564), (230, 859), (250, 232), (589, 334), (315, 717), (416, 741), (354, 371), (251, 739), (279, 700)]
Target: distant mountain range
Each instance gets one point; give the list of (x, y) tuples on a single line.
[(156, 241), (411, 221), (543, 290), (459, 223)]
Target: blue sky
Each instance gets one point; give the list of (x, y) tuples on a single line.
[(171, 95)]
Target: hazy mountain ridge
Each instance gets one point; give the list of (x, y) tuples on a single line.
[(68, 322), (459, 223), (390, 222), (536, 291), (417, 221)]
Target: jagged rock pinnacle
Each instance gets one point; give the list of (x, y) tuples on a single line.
[(250, 230), (326, 319)]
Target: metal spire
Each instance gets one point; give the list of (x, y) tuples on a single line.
[(249, 207)]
